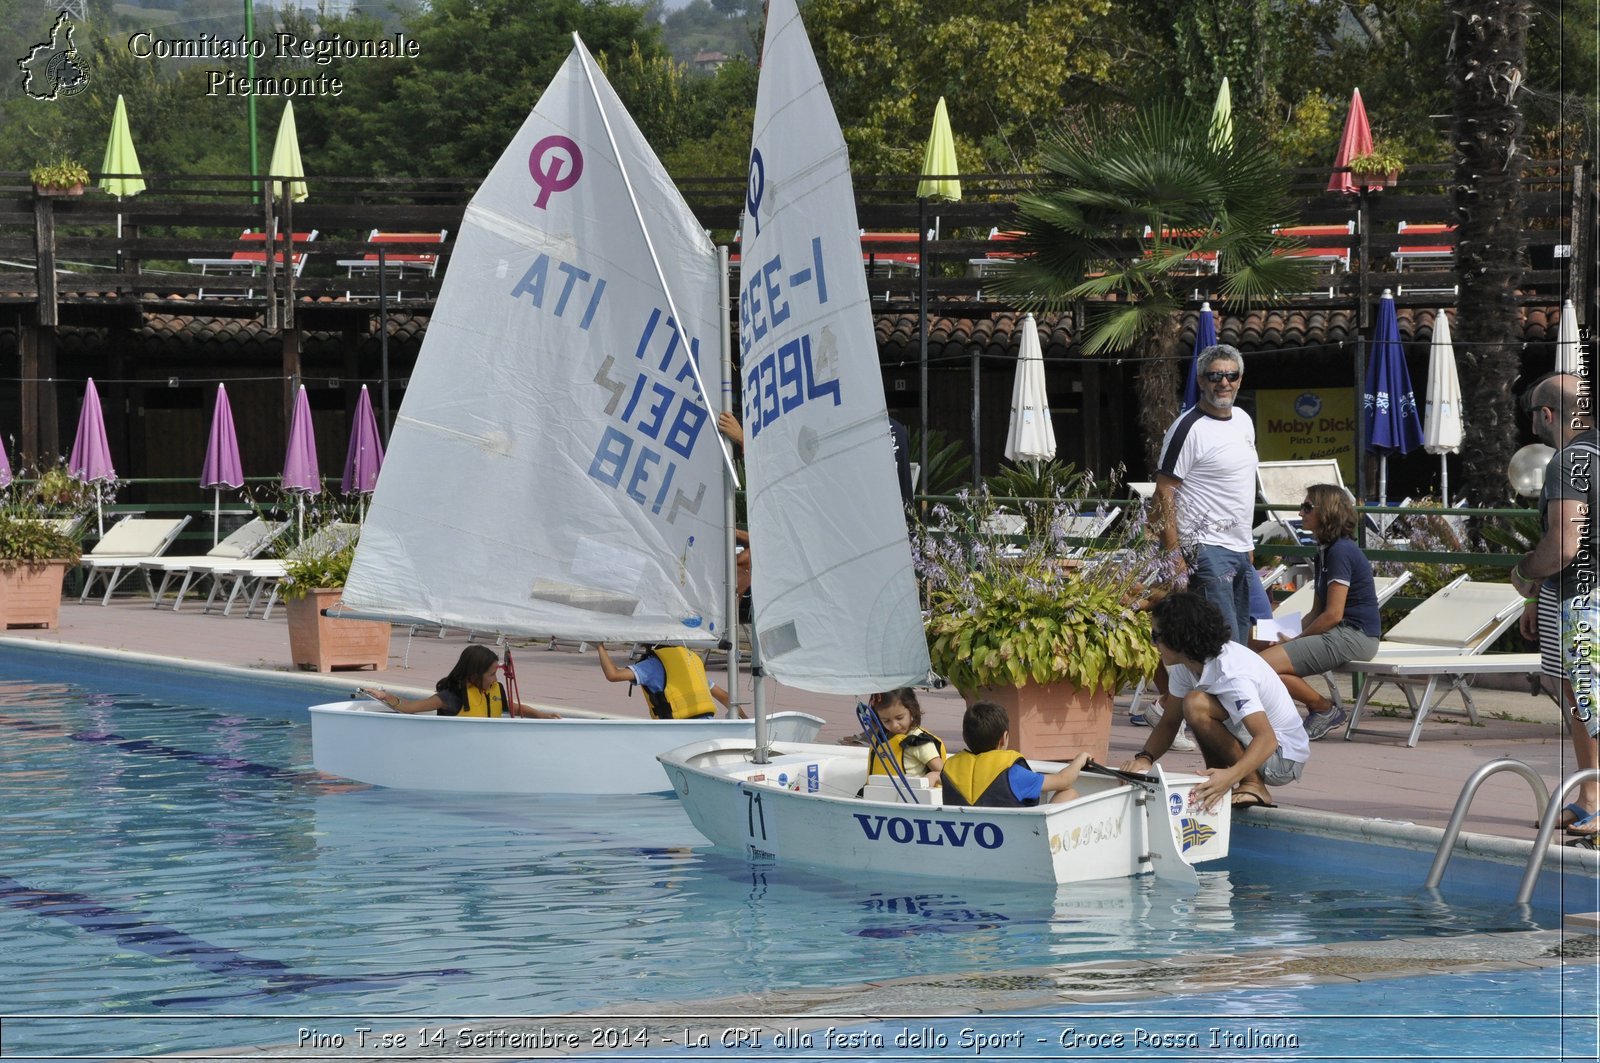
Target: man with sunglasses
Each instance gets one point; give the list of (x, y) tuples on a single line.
[(1557, 577), (1206, 489)]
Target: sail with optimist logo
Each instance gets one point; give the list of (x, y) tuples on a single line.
[(834, 594), (555, 467)]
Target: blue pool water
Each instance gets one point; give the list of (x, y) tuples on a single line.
[(175, 877)]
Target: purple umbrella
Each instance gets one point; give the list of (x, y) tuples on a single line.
[(1205, 335), (5, 466), (91, 453), (300, 473), (1390, 403), (222, 467), (365, 457)]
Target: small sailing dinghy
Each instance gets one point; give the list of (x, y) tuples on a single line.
[(555, 468), (834, 592)]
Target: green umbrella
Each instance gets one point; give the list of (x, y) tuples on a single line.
[(1222, 115), (286, 155), (121, 158), (939, 160)]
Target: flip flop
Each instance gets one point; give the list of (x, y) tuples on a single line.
[(1588, 841), (1244, 799), (1587, 827), (1573, 813)]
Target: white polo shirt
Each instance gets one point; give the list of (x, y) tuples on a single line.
[(1245, 684), (1215, 458)]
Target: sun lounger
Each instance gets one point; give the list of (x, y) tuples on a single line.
[(265, 576), (243, 544), (1301, 601), (248, 261), (1454, 670), (1443, 638), (1325, 244), (124, 547), (1436, 252), (423, 263)]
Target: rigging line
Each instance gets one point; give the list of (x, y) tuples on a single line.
[(655, 260)]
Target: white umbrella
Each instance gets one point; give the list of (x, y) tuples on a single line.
[(1441, 423), (1569, 352), (1030, 436)]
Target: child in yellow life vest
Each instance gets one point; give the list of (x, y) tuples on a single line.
[(674, 682), (472, 688), (919, 752), (988, 775)]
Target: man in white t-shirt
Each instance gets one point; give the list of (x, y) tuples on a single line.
[(1206, 488), (1239, 711)]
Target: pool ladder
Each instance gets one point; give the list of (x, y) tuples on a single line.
[(1551, 804)]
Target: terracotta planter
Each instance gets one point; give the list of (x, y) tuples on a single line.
[(30, 595), (323, 643), (1054, 721), (56, 190)]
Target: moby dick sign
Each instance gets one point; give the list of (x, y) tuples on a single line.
[(1297, 424)]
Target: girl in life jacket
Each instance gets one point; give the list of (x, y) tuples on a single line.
[(472, 688), (919, 752)]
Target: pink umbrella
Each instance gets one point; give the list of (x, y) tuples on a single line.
[(222, 468), (365, 457), (5, 466), (300, 473), (1356, 140), (90, 460)]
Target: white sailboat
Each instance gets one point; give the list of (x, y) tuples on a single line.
[(555, 467), (835, 598)]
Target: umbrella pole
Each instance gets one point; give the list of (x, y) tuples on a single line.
[(922, 335), (99, 510), (216, 515), (1444, 480), (1383, 479)]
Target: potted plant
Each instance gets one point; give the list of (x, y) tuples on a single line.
[(1382, 165), (36, 549), (1049, 633), (65, 177), (313, 582)]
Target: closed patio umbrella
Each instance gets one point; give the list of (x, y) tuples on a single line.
[(1222, 114), (1569, 351), (1441, 423), (286, 156), (5, 465), (1205, 335), (90, 460), (122, 161), (1355, 140), (939, 167), (365, 456), (1390, 403), (300, 471), (1030, 436), (222, 467)]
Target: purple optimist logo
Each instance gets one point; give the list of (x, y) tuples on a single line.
[(552, 171)]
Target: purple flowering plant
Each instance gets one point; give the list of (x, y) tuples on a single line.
[(1014, 596)]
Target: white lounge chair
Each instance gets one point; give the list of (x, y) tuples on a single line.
[(258, 576), (124, 547), (1444, 638), (246, 542), (1301, 601)]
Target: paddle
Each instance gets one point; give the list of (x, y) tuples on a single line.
[(1095, 768)]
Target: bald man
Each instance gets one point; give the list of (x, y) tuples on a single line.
[(1558, 575)]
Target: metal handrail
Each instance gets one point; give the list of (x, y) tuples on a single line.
[(1469, 790), (1547, 828)]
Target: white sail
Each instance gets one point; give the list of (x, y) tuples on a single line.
[(834, 594), (555, 467)]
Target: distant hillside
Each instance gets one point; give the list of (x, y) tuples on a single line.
[(732, 27)]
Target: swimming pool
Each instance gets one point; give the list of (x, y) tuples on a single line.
[(177, 878)]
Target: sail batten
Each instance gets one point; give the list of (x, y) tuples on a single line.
[(834, 594), (554, 468)]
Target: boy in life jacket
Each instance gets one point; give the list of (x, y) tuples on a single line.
[(988, 775), (472, 688), (674, 682), (919, 752)]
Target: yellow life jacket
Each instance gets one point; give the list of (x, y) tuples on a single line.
[(897, 743), (481, 703), (980, 778), (686, 695)]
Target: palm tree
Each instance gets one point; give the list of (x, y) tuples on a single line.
[(1197, 190)]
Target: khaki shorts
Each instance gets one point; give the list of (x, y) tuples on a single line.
[(1314, 654), (1278, 770)]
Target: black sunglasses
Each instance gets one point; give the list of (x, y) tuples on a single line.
[(1216, 376), (1155, 635), (1307, 507)]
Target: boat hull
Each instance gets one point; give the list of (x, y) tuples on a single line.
[(801, 807), (604, 755)]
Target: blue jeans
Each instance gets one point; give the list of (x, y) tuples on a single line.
[(1223, 576)]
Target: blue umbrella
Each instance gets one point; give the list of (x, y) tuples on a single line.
[(1205, 335), (1390, 403)]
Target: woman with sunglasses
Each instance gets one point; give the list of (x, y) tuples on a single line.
[(472, 688), (1343, 624)]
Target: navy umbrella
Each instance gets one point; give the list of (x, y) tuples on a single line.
[(1390, 403), (1205, 335)]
